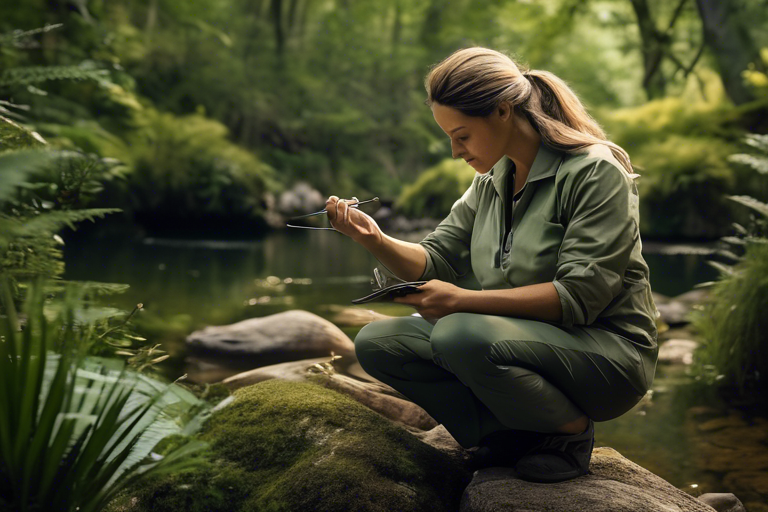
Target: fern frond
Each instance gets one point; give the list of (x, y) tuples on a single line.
[(750, 202), (56, 220), (14, 136), (724, 269), (16, 35), (758, 163), (38, 74), (16, 166), (757, 141)]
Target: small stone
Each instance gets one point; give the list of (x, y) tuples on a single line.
[(722, 501), (674, 312), (677, 351)]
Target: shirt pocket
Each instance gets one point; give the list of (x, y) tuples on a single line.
[(534, 254)]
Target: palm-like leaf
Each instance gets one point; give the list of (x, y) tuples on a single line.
[(74, 431)]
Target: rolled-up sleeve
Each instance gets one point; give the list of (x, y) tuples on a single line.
[(600, 211), (447, 247)]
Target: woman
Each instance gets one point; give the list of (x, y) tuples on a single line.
[(562, 333)]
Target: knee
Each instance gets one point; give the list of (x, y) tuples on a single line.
[(454, 336), (363, 340), (377, 337)]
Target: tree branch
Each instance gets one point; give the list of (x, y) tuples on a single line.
[(678, 10)]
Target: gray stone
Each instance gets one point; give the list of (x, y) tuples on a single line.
[(375, 395), (285, 336), (677, 351), (615, 484), (722, 501), (674, 312), (300, 199)]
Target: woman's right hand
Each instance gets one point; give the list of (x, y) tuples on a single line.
[(357, 225)]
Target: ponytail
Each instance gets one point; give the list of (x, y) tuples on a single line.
[(556, 113), (476, 80)]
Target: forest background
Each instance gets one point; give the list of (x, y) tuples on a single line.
[(199, 114), (194, 118)]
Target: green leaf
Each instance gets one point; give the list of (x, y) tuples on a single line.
[(724, 269), (751, 202), (16, 166)]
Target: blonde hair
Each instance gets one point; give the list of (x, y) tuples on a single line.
[(476, 80)]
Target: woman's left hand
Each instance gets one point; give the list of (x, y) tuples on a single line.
[(435, 300)]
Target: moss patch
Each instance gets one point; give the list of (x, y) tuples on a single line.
[(299, 446)]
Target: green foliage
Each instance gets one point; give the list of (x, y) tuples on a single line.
[(436, 189), (75, 431), (184, 167), (36, 75), (29, 244), (757, 78), (733, 320), (680, 146), (678, 176)]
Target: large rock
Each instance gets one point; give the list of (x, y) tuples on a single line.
[(300, 199), (286, 446), (376, 395), (285, 336), (615, 484)]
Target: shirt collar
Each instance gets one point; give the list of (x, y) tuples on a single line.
[(545, 165)]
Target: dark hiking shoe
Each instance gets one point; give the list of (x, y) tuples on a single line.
[(559, 457), (503, 448)]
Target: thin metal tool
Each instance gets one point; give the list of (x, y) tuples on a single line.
[(355, 205)]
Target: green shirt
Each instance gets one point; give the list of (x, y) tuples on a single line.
[(575, 224)]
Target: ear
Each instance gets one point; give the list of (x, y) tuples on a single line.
[(504, 110)]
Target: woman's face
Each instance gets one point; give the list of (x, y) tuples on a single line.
[(480, 141)]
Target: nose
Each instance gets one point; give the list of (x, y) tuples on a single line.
[(457, 149)]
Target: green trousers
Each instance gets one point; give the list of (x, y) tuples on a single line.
[(477, 374)]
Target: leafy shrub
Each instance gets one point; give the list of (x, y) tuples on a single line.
[(436, 189), (682, 183), (185, 168), (680, 146)]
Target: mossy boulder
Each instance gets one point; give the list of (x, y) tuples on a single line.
[(299, 446)]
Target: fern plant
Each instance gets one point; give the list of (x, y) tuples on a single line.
[(29, 220), (733, 321)]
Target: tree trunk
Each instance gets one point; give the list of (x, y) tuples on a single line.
[(277, 21), (652, 42), (727, 36)]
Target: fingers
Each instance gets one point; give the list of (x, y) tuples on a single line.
[(338, 209), (330, 207)]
